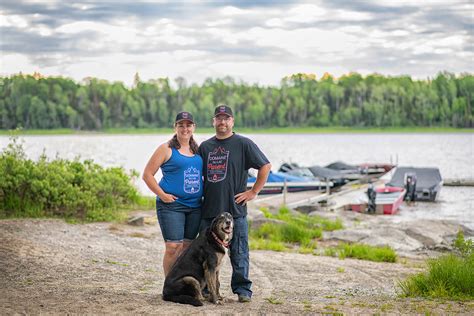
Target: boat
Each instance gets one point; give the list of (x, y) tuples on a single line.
[(277, 181), (428, 181), (316, 173), (387, 201), (337, 177), (375, 168)]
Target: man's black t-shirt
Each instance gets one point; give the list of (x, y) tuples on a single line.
[(225, 169)]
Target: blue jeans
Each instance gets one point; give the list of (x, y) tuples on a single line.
[(178, 222), (239, 255)]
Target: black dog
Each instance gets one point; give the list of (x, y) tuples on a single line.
[(199, 265)]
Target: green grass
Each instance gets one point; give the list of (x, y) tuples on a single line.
[(271, 130), (363, 252), (292, 230), (263, 244), (450, 276), (273, 300)]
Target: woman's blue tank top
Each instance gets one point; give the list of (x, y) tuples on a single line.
[(182, 177)]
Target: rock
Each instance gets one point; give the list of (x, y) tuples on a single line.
[(255, 224), (136, 221), (382, 236), (434, 234), (307, 209), (254, 214), (347, 235), (257, 219), (396, 238)]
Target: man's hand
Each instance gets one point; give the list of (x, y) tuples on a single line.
[(244, 197)]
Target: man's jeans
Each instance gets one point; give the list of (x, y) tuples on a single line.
[(239, 255)]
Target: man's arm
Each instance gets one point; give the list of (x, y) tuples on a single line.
[(262, 175)]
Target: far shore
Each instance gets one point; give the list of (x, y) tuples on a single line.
[(271, 130)]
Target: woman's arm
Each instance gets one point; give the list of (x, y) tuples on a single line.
[(159, 157)]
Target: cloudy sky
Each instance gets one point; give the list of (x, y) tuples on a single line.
[(255, 41)]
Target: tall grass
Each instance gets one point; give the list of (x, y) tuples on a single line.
[(62, 188), (450, 276)]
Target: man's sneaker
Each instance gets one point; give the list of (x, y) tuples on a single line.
[(244, 299)]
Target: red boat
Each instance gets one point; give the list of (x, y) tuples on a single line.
[(387, 201)]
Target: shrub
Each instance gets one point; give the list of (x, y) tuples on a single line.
[(449, 276), (63, 188)]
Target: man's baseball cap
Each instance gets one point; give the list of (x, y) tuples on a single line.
[(184, 116), (223, 109)]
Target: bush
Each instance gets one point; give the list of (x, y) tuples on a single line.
[(62, 188), (450, 276)]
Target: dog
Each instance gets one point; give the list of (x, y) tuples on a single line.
[(199, 265)]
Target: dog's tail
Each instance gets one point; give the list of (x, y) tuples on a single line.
[(183, 299)]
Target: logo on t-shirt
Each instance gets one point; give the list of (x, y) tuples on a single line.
[(192, 183), (217, 164)]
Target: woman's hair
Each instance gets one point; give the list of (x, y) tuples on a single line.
[(174, 143)]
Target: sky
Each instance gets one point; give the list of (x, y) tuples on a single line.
[(258, 42)]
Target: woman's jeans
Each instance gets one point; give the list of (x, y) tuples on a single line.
[(178, 222), (239, 255)]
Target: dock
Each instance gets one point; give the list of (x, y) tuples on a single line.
[(458, 182)]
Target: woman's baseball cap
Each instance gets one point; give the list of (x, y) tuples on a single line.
[(184, 116)]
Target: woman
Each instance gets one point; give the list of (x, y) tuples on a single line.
[(178, 195)]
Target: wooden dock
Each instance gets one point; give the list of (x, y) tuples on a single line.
[(458, 182)]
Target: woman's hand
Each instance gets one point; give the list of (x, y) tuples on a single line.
[(167, 198)]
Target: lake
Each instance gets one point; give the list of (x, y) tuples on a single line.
[(452, 153)]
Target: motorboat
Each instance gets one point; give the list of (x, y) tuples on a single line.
[(426, 183)]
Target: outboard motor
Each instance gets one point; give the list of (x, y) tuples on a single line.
[(410, 187), (371, 195)]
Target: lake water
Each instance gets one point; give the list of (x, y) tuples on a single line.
[(452, 153)]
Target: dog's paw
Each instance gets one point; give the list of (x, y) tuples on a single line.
[(226, 300)]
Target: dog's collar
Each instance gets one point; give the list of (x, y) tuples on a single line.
[(221, 242)]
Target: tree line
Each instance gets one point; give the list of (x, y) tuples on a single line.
[(301, 100)]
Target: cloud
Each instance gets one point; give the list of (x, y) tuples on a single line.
[(256, 41)]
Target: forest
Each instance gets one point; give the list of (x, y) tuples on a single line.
[(301, 100)]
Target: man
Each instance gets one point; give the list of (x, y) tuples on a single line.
[(227, 157)]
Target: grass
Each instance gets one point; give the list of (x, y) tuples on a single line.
[(290, 230), (450, 276), (363, 252), (270, 130), (116, 263), (263, 244), (273, 300)]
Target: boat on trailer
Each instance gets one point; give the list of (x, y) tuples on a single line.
[(278, 181)]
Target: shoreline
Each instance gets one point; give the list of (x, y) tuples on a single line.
[(272, 130)]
